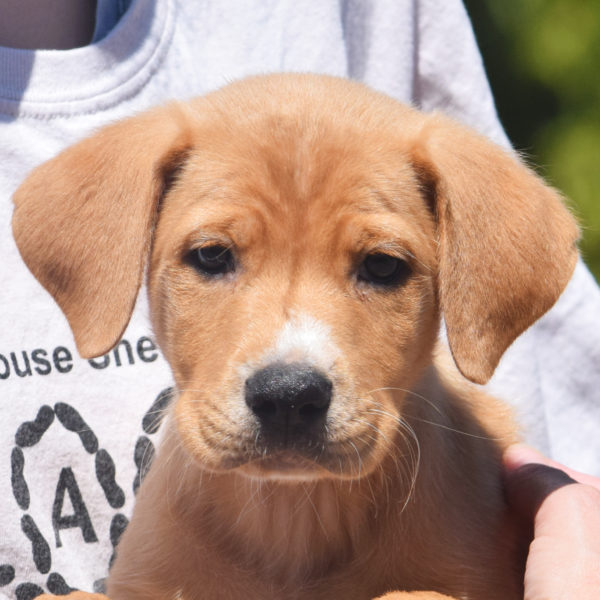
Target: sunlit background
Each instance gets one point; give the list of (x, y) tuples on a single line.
[(543, 62)]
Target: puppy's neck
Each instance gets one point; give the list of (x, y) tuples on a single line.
[(292, 532)]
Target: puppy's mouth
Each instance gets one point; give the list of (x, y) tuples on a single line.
[(293, 426), (307, 459), (323, 450), (288, 454)]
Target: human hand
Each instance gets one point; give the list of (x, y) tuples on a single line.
[(564, 507)]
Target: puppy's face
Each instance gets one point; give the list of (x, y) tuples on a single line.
[(302, 233), (293, 289)]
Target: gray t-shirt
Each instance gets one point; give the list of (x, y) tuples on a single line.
[(75, 435)]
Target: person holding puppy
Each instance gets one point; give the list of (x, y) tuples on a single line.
[(562, 505), (71, 458)]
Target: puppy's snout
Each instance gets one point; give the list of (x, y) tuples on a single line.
[(289, 396)]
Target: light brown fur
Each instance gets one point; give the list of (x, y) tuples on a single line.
[(303, 176)]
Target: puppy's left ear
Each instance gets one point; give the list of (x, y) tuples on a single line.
[(83, 220), (507, 244)]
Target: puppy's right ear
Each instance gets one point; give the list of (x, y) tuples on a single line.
[(83, 220)]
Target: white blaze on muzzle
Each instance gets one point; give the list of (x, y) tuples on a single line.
[(304, 339)]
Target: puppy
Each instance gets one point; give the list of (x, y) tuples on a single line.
[(303, 236)]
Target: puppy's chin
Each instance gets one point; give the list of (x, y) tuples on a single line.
[(284, 467)]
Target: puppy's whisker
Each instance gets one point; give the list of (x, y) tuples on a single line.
[(411, 393), (460, 432), (433, 423), (317, 515), (415, 453), (158, 411), (146, 461), (417, 464), (374, 427), (359, 462), (250, 501), (390, 444), (368, 479)]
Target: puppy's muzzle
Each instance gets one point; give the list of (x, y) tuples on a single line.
[(290, 402)]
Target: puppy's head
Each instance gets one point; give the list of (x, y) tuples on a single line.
[(302, 234)]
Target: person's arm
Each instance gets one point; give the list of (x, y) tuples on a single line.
[(564, 507)]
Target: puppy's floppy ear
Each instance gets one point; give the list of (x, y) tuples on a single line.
[(83, 220), (507, 244)]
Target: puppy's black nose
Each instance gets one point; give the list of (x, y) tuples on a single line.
[(291, 396)]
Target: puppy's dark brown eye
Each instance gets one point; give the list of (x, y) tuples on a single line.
[(212, 260), (383, 269)]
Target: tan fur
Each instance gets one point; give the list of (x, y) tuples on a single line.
[(302, 176)]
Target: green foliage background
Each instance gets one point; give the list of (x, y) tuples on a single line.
[(543, 61)]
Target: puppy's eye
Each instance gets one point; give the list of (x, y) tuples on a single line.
[(383, 269), (213, 260)]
